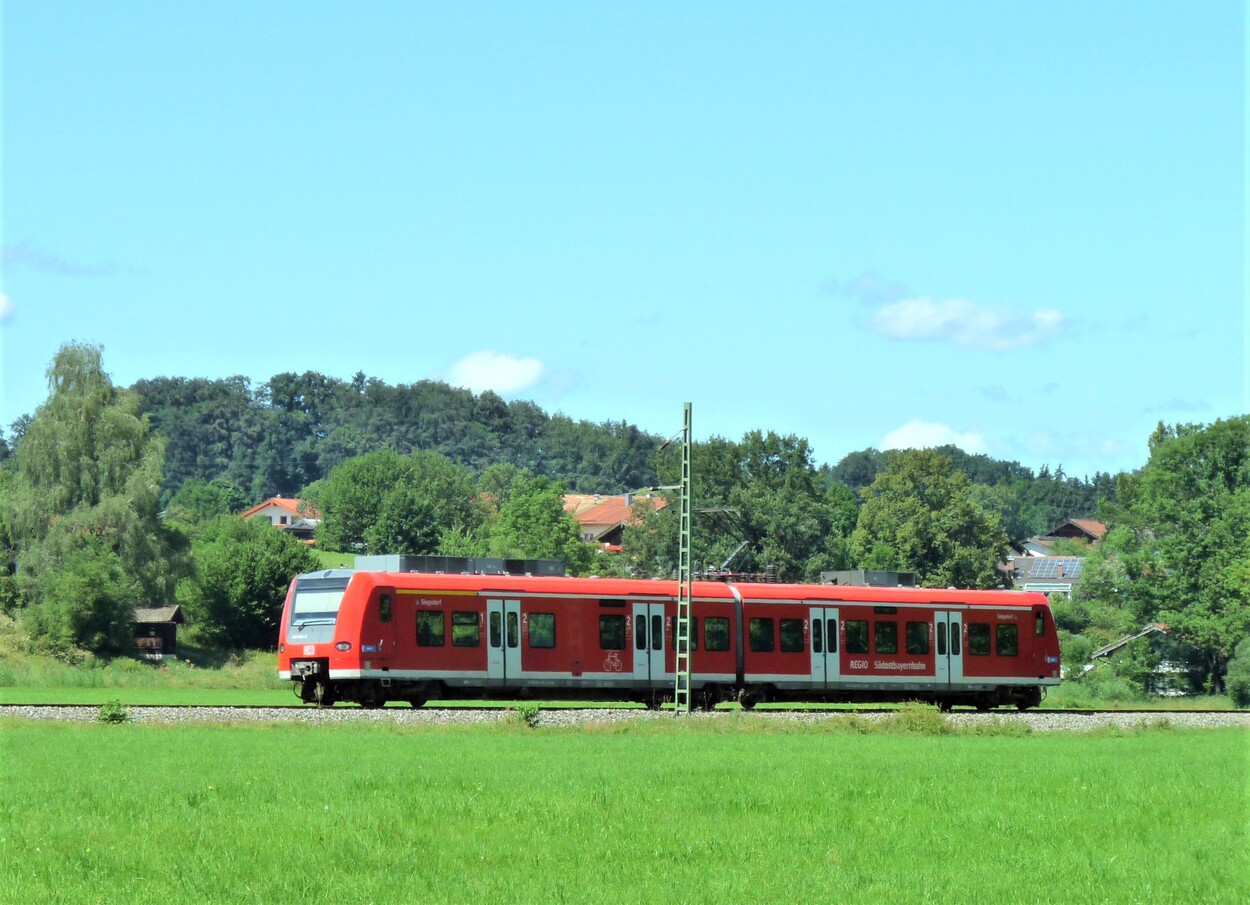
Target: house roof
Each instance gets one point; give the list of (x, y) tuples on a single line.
[(1090, 528), (148, 615), (1035, 568), (290, 504), (613, 510), (575, 503)]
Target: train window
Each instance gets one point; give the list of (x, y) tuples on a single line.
[(831, 634), (384, 608), (761, 635), (514, 630), (657, 633), (431, 629), (542, 629), (792, 635), (856, 636), (612, 632), (978, 639), (954, 640), (1041, 624), (1007, 641), (716, 633), (694, 633), (640, 632), (885, 636), (466, 629), (496, 633), (917, 637), (941, 639), (818, 637)]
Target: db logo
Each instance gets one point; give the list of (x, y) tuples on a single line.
[(309, 650)]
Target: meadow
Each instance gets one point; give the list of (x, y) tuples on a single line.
[(663, 811)]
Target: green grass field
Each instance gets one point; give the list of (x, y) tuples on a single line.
[(740, 811)]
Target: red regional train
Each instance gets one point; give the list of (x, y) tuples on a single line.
[(374, 637)]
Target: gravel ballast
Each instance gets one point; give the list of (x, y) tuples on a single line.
[(1037, 720)]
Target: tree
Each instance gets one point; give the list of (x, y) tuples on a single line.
[(1186, 516), (199, 501), (243, 569), (759, 504), (533, 524), (1238, 677), (921, 514), (649, 542), (383, 502), (85, 514), (86, 603), (10, 598), (434, 496), (352, 496)]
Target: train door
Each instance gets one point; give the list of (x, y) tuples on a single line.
[(503, 642), (948, 632), (649, 624), (824, 646), (377, 635)]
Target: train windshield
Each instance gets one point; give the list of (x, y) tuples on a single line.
[(316, 604)]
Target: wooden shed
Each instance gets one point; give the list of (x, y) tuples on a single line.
[(156, 630)]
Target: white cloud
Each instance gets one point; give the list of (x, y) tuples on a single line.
[(965, 323), (6, 309), (917, 434), (491, 370)]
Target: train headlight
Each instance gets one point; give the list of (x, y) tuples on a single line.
[(343, 646)]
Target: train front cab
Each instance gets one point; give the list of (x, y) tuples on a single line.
[(307, 635)]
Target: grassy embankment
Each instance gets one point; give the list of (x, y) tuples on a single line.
[(738, 811), (202, 676)]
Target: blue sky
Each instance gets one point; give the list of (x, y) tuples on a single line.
[(1016, 227)]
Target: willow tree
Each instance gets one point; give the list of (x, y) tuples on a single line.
[(85, 514)]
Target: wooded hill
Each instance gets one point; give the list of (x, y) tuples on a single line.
[(279, 437)]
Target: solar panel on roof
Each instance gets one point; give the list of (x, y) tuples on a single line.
[(1045, 568), (1057, 566)]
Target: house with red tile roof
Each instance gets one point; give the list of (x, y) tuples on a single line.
[(603, 518), (291, 515)]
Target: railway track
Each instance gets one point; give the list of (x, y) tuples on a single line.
[(509, 706), (1037, 720)]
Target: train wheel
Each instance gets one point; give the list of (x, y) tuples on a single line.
[(416, 702), (748, 699), (945, 704)]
